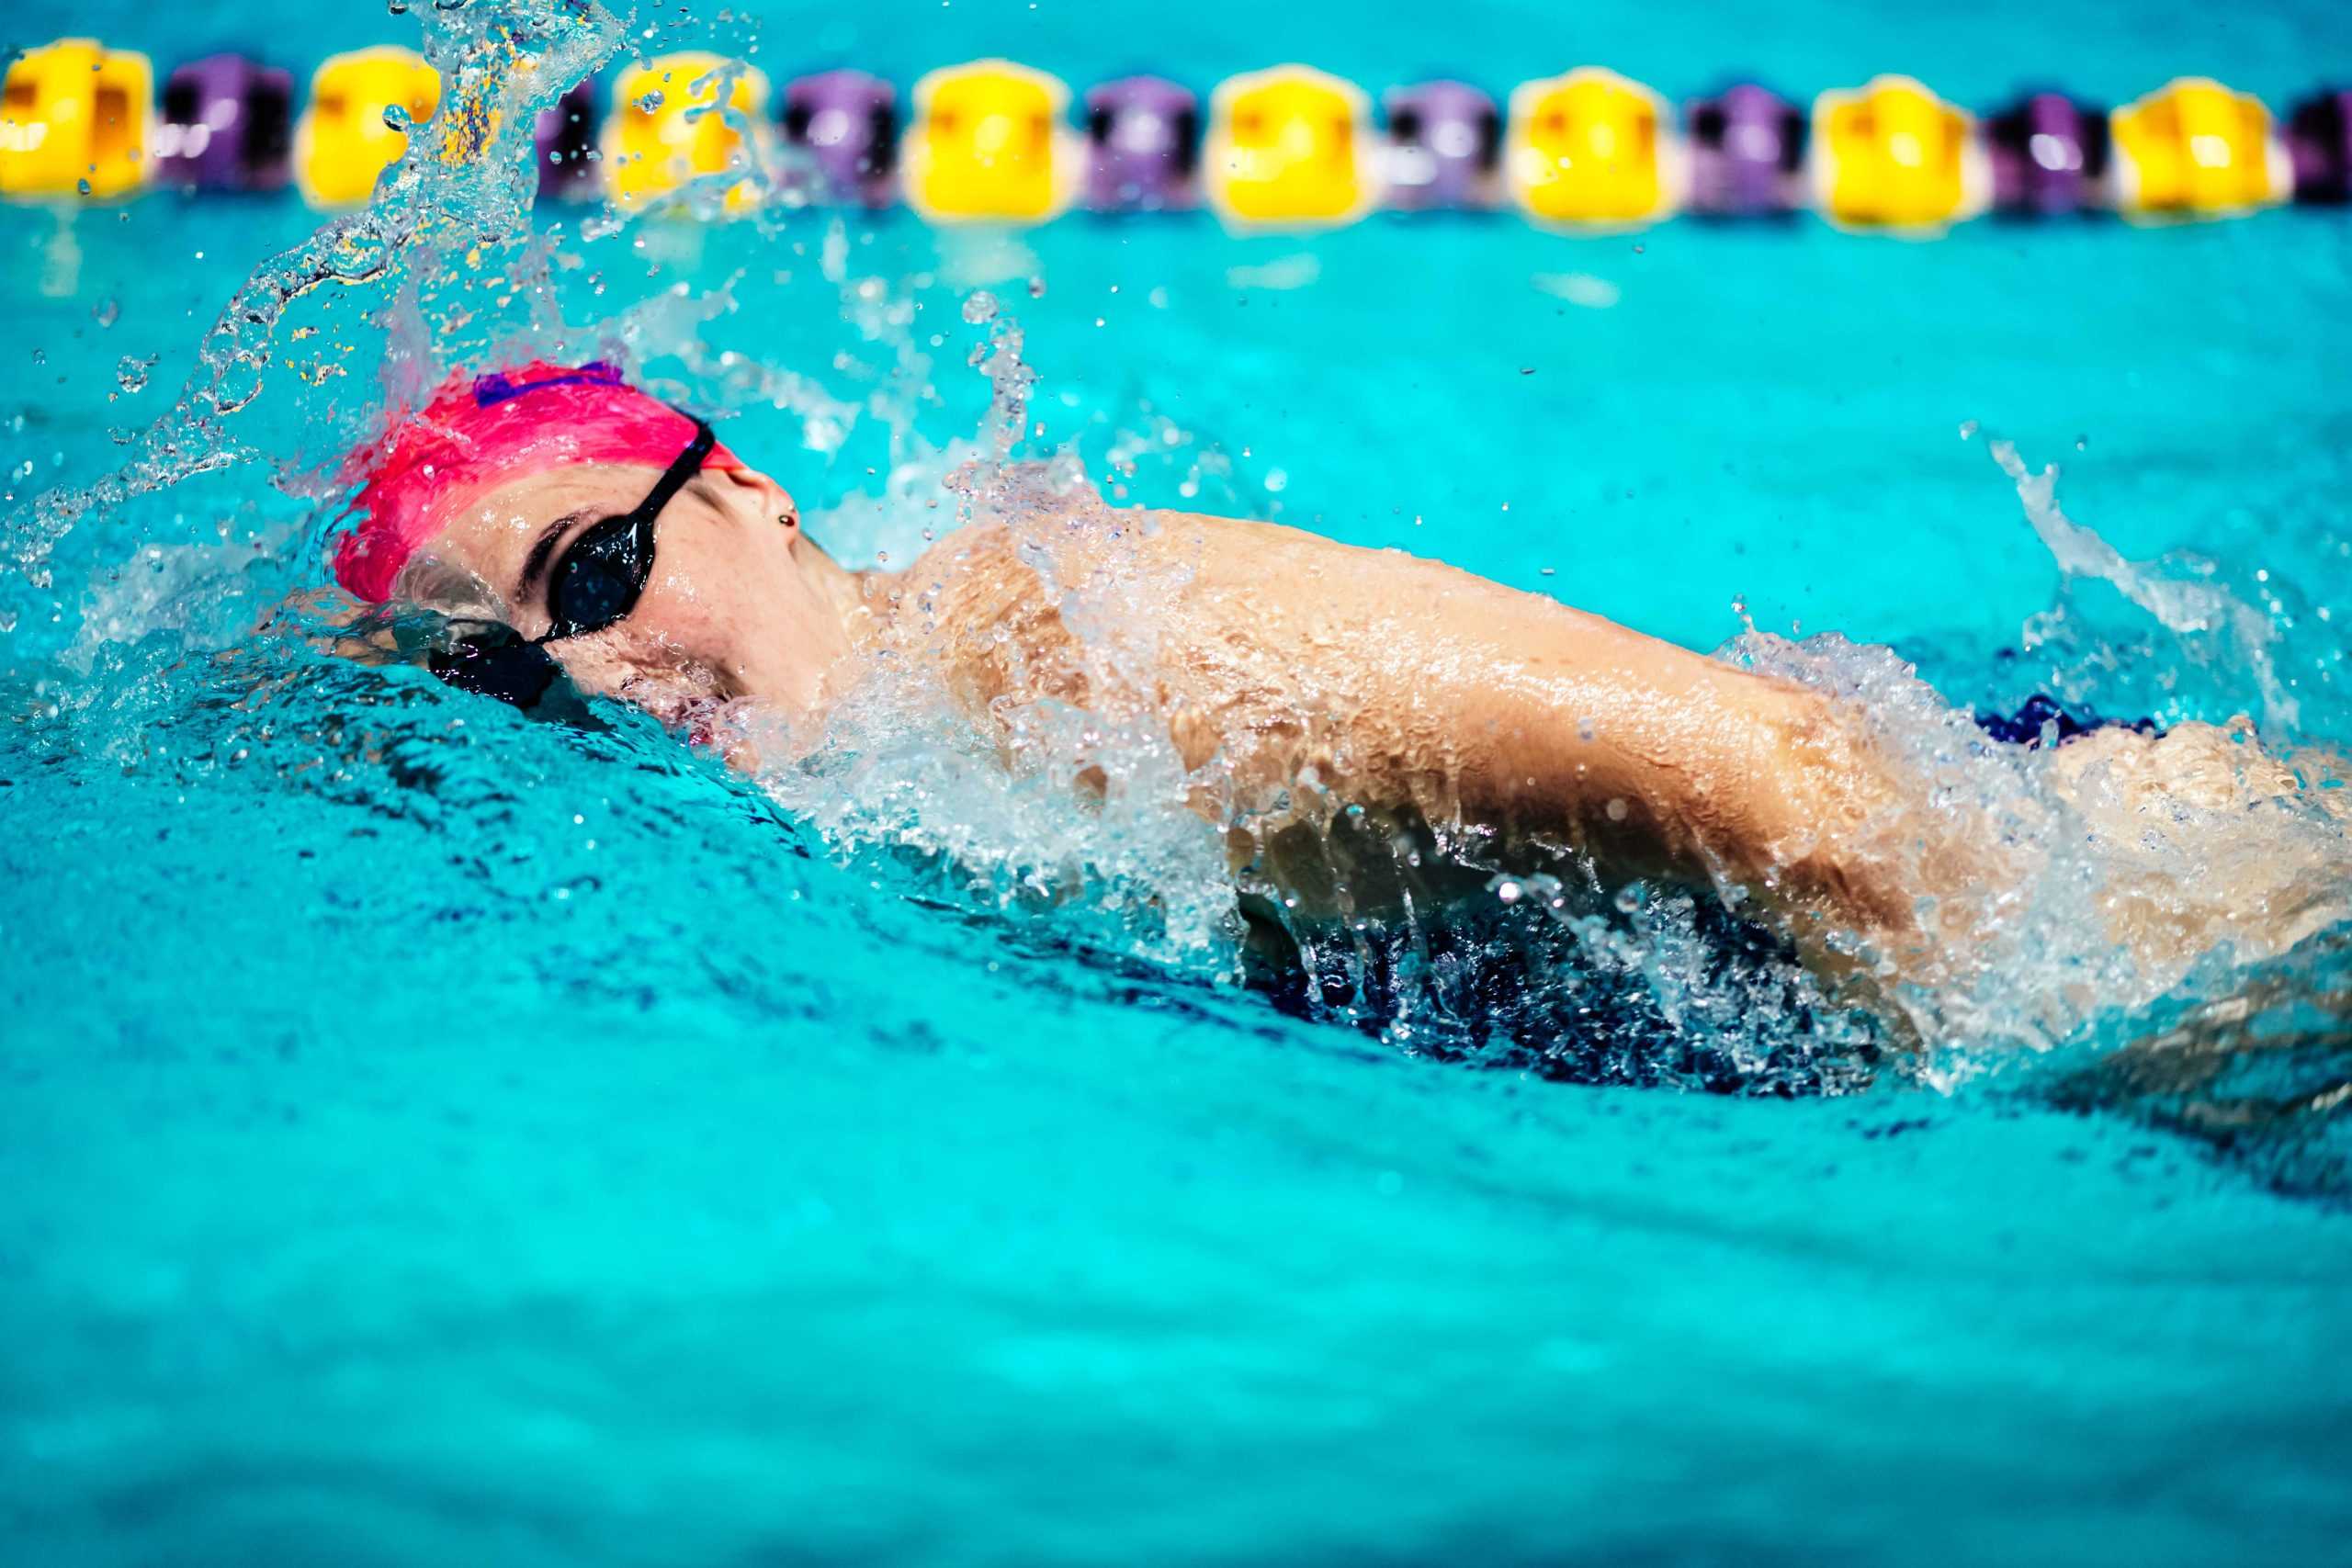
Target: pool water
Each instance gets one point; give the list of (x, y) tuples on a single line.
[(428, 1135)]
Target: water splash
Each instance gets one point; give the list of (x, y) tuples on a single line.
[(2212, 623), (1070, 808)]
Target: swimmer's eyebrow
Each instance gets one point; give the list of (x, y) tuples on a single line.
[(535, 565)]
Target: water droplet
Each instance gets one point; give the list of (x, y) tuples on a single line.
[(106, 312), (1508, 891), (1617, 808), (2081, 441), (1968, 428), (84, 186), (397, 8), (1628, 900), (396, 118), (980, 306), (131, 374), (1037, 288), (649, 101)]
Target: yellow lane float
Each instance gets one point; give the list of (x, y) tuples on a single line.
[(342, 141), (989, 140), (1593, 147), (2193, 147), (74, 121), (667, 129), (1894, 155), (1289, 145)]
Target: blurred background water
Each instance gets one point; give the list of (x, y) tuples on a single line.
[(431, 1137)]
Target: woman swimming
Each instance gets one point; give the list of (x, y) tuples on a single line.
[(1364, 726)]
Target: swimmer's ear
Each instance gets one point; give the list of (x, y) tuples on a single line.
[(748, 486)]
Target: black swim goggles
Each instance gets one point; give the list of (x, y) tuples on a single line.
[(596, 582)]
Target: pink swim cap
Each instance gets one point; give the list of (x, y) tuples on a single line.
[(480, 432)]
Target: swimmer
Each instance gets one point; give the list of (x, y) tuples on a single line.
[(574, 528)]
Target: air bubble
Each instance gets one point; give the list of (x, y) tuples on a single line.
[(979, 306)]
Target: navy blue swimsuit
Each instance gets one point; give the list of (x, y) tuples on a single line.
[(2025, 726)]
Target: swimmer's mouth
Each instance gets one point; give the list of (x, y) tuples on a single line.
[(693, 699)]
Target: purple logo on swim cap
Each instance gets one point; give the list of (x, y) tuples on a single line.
[(497, 386)]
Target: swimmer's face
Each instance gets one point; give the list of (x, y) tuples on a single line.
[(739, 605)]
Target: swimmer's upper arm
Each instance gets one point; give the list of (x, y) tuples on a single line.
[(1663, 763), (1459, 696)]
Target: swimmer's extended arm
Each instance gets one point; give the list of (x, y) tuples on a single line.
[(1536, 720), (1432, 696)]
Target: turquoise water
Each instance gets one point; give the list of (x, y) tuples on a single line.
[(431, 1137)]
